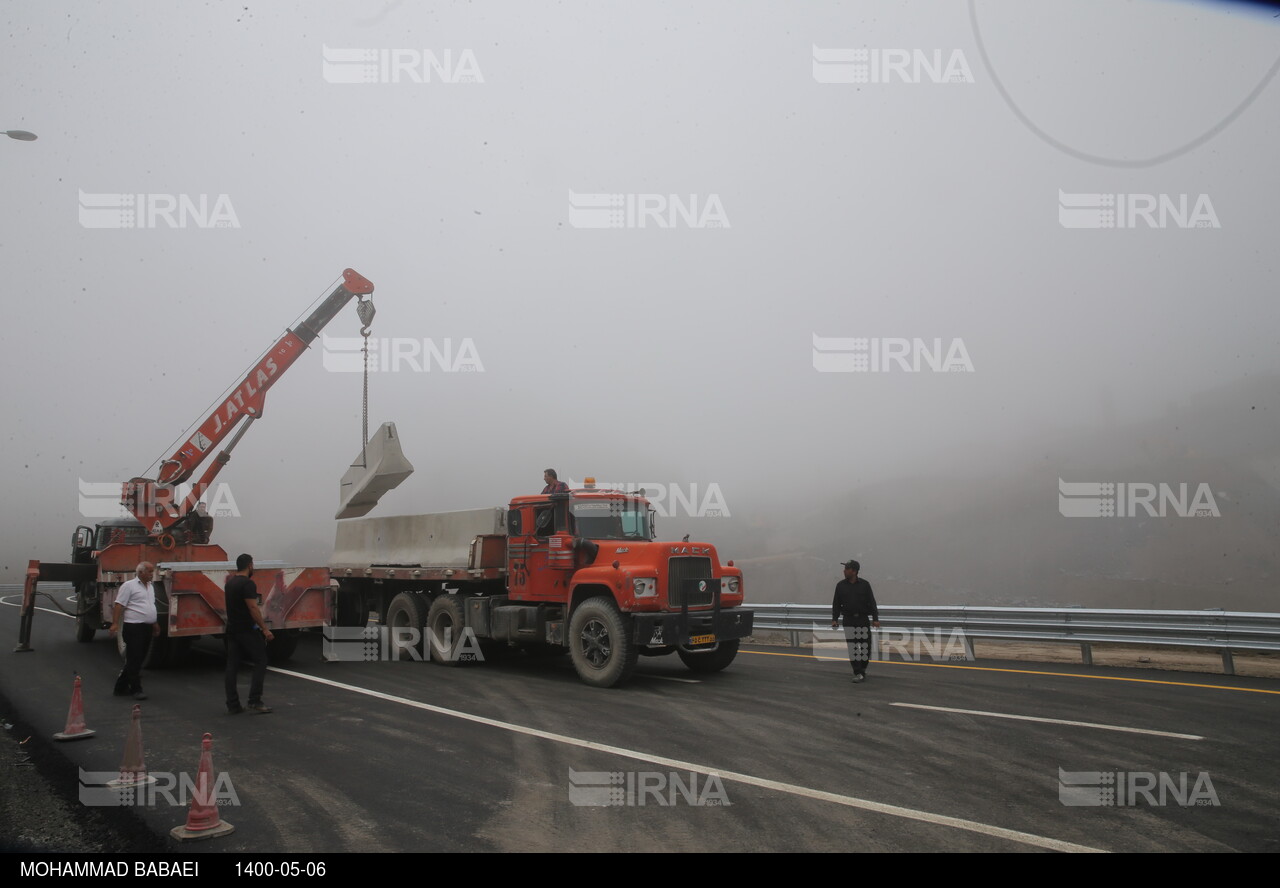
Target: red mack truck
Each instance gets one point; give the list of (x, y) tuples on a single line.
[(579, 573)]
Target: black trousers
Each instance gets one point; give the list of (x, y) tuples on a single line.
[(137, 641), (857, 634), (245, 647)]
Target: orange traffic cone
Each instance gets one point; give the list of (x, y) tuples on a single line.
[(133, 771), (203, 820), (75, 729)]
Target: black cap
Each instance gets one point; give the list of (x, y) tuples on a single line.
[(852, 565)]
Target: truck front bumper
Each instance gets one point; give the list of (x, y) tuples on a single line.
[(692, 627)]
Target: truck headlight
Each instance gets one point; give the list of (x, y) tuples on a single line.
[(645, 587), (732, 585)]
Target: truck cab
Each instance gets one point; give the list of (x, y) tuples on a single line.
[(612, 592)]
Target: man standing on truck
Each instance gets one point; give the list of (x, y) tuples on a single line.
[(855, 600), (554, 484), (136, 606), (246, 638)]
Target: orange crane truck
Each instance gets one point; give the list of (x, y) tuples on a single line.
[(168, 530)]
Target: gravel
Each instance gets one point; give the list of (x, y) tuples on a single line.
[(39, 806)]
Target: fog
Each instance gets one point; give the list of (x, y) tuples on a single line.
[(775, 220)]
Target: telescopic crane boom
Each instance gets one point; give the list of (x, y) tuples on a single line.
[(152, 501)]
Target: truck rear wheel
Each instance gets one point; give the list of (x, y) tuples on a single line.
[(603, 651), (405, 612), (281, 646), (350, 609), (175, 653), (710, 661), (88, 619), (445, 622), (163, 652)]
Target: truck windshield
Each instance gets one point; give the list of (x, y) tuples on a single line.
[(110, 534), (618, 519)]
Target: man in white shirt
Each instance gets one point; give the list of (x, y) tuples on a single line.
[(134, 614)]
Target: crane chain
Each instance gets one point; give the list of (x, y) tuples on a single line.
[(366, 311)]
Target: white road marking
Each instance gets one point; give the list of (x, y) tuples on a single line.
[(1052, 721), (692, 681), (676, 764), (18, 603)]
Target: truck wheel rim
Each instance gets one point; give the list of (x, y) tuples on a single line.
[(595, 643), (442, 632)]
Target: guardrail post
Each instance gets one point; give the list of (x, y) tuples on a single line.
[(1086, 653), (1228, 664)]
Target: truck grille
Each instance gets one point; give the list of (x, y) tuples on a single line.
[(687, 568)]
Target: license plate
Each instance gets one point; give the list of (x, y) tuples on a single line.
[(702, 639)]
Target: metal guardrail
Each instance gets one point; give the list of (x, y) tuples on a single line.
[(1218, 630)]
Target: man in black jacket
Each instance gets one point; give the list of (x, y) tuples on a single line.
[(246, 638), (855, 600)]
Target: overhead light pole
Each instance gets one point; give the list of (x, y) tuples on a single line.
[(20, 135)]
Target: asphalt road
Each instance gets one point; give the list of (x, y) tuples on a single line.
[(781, 752)]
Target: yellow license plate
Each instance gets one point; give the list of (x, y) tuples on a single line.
[(702, 639)]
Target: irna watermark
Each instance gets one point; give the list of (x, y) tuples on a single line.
[(636, 210), (1120, 789), (1120, 210), (630, 789), (913, 645), (373, 644), (863, 65), (400, 354), (400, 66), (672, 499), (106, 789), (102, 499), (151, 210), (1129, 499), (885, 354)]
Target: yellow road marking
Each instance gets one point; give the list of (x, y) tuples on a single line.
[(1181, 684)]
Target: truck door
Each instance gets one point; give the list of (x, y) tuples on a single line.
[(537, 574)]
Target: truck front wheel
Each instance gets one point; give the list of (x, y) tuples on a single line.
[(602, 648), (710, 661), (88, 612)]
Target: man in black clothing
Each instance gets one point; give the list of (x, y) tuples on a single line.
[(246, 638), (855, 600)]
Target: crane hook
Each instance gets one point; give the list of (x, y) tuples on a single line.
[(366, 311)]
